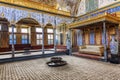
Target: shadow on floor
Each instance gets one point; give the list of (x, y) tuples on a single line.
[(89, 56), (30, 57)]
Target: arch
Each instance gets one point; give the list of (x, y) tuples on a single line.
[(4, 24), (49, 34), (4, 20), (28, 21), (62, 27), (49, 25)]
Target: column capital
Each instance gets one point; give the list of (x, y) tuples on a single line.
[(42, 25), (13, 24), (118, 26), (70, 29), (54, 27)]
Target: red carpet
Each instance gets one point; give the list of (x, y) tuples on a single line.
[(95, 57)]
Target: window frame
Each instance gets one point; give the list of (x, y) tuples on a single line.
[(24, 40), (40, 34), (10, 35), (51, 38)]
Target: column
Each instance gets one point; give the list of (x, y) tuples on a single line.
[(43, 40), (33, 36), (70, 36), (4, 37), (54, 40), (18, 36), (118, 37), (105, 42), (83, 37), (13, 48)]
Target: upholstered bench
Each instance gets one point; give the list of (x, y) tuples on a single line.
[(61, 48), (92, 49)]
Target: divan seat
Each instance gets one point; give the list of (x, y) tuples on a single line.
[(92, 49)]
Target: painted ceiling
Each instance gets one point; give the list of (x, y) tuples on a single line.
[(65, 5), (47, 2)]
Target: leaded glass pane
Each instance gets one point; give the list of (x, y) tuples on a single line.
[(10, 29), (48, 36), (51, 36), (49, 30), (24, 30), (38, 42), (39, 30)]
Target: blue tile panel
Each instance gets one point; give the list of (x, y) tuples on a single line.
[(111, 10)]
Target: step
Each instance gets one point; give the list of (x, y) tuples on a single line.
[(90, 56)]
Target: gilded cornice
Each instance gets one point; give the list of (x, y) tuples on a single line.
[(35, 5), (99, 18)]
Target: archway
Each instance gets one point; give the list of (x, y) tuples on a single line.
[(28, 21), (26, 34), (62, 36), (49, 37)]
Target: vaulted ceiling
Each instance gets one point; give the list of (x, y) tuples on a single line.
[(65, 5), (70, 5), (47, 2)]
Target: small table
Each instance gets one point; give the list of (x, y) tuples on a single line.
[(56, 62)]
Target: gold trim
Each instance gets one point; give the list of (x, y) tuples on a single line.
[(35, 5), (99, 18), (36, 11), (2, 14)]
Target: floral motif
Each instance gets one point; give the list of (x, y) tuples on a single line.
[(12, 14)]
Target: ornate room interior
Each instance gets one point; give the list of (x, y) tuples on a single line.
[(78, 30)]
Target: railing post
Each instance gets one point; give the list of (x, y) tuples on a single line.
[(13, 48), (54, 39), (42, 40)]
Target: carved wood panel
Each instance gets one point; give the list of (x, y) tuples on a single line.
[(98, 37)]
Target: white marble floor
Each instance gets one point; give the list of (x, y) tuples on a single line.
[(22, 53), (76, 69)]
